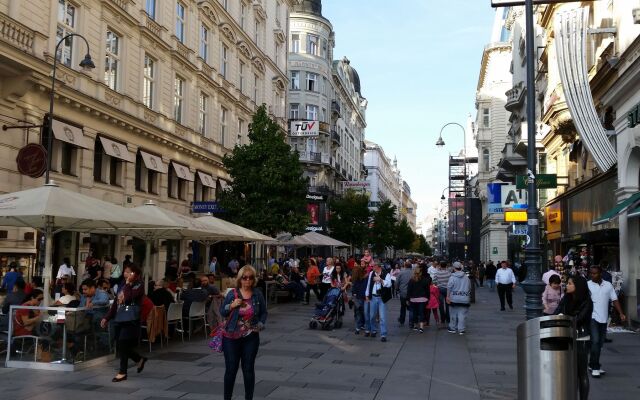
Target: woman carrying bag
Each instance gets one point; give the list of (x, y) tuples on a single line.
[(125, 312), (246, 313)]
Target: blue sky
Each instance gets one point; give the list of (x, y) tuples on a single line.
[(418, 62)]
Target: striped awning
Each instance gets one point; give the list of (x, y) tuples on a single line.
[(571, 34)]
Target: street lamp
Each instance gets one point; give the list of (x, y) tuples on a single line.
[(86, 64), (440, 143)]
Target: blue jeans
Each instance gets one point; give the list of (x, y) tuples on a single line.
[(598, 333), (376, 306), (244, 349), (444, 307), (458, 318), (358, 312), (491, 283)]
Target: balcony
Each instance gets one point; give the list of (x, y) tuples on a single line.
[(515, 97), (16, 34), (511, 161), (335, 108), (315, 158), (324, 127), (335, 138)]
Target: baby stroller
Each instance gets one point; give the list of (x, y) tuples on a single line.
[(329, 312)]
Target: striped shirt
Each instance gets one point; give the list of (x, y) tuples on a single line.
[(441, 277)]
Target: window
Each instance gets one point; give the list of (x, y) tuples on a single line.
[(112, 60), (295, 43), (223, 125), (149, 82), (243, 15), (150, 8), (178, 98), (177, 188), (325, 53), (276, 55), (312, 82), (542, 163), (312, 112), (485, 160), (146, 179), (312, 44), (225, 4), (240, 132), (485, 117), (241, 77), (204, 42), (224, 51), (256, 85), (180, 17), (256, 33), (66, 158), (295, 80), (203, 102), (66, 25), (201, 192), (323, 115), (294, 111), (278, 8), (106, 169)]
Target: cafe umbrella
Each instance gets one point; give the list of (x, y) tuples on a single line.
[(52, 209)]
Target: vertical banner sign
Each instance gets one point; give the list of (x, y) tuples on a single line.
[(494, 198), (457, 217)]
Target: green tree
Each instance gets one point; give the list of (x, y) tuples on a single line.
[(404, 236), (268, 189), (420, 245), (349, 220), (383, 231)]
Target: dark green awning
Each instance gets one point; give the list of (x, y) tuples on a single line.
[(619, 208), (634, 212)]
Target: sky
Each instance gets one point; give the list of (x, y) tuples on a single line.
[(418, 62)]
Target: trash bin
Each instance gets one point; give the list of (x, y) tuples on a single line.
[(547, 359)]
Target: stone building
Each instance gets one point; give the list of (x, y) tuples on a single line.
[(174, 90)]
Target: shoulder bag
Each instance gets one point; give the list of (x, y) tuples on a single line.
[(217, 332)]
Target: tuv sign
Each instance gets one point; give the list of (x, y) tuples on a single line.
[(304, 128)]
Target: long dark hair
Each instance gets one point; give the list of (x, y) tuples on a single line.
[(579, 296), (334, 273)]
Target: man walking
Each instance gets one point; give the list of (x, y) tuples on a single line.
[(402, 280), (441, 279), (490, 274), (377, 281), (506, 281), (458, 298), (552, 270), (601, 293)]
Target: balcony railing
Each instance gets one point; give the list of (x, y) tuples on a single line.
[(335, 138), (16, 34), (335, 107), (515, 97), (314, 157)]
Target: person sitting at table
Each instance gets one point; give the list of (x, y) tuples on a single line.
[(92, 296), (193, 294), (68, 298), (15, 297), (25, 321), (293, 287), (161, 296), (206, 283), (105, 285)]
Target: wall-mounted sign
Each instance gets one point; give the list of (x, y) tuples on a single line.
[(206, 207), (356, 184), (543, 181), (304, 128), (515, 216), (511, 197), (315, 197), (32, 160), (494, 198)]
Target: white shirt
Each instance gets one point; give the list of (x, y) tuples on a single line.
[(432, 271), (377, 285), (547, 275), (326, 274), (65, 270), (601, 295), (505, 276)]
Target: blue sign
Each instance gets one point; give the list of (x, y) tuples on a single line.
[(494, 198), (206, 207), (520, 229)]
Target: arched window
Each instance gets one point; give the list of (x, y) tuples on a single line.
[(485, 160)]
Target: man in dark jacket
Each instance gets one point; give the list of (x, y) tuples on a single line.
[(402, 280), (490, 274)]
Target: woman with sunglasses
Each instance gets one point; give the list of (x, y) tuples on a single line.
[(245, 311)]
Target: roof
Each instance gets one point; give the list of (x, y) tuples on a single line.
[(309, 7)]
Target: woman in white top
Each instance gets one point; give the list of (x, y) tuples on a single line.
[(68, 295), (66, 269), (325, 284)]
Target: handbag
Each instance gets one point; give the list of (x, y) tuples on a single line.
[(217, 332), (385, 294), (127, 313)]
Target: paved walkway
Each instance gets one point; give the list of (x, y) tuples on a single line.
[(295, 362)]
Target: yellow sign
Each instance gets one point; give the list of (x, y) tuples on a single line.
[(515, 216)]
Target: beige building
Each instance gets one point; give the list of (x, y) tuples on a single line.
[(174, 90)]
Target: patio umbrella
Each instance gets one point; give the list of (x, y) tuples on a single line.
[(52, 209), (244, 234)]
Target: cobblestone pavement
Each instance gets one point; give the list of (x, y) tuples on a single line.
[(297, 363)]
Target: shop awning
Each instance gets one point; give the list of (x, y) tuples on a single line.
[(207, 180), (116, 149), (633, 201), (70, 134), (223, 183), (182, 171), (634, 212), (154, 162)]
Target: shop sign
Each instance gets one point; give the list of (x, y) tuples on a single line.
[(543, 181), (32, 160), (315, 229), (511, 197), (304, 128), (356, 184), (494, 198), (206, 207), (315, 197), (519, 229)]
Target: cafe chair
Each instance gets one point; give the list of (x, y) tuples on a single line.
[(155, 325), (174, 317), (197, 313)]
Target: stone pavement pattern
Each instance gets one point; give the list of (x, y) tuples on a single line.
[(297, 363)]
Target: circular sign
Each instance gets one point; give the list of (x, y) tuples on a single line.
[(32, 160)]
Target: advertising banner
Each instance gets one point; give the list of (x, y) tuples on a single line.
[(304, 128), (494, 198), (457, 220), (511, 197)]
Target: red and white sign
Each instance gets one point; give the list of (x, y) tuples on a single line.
[(304, 128)]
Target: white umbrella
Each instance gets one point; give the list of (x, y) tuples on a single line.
[(244, 234), (52, 209)]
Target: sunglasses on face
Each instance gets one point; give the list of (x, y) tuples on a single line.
[(247, 278)]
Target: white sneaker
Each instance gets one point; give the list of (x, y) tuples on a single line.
[(595, 373), (602, 372)]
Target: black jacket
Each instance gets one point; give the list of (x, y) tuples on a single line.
[(418, 288), (581, 313)]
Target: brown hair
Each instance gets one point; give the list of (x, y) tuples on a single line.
[(247, 268), (358, 273)]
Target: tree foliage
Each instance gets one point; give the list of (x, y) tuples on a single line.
[(268, 189), (404, 236), (420, 245), (349, 220), (382, 233)]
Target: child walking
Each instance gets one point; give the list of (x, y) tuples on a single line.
[(433, 304)]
